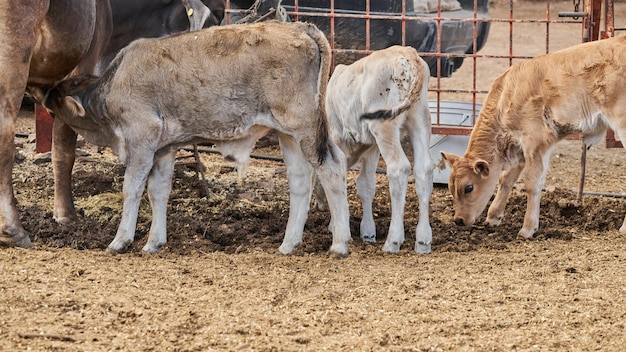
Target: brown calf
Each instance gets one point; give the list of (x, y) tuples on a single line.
[(530, 107)]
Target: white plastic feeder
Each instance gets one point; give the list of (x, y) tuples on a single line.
[(453, 114)]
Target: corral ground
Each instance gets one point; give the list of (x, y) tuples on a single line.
[(219, 284)]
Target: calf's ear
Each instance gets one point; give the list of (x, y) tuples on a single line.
[(76, 107), (481, 167), (449, 158)]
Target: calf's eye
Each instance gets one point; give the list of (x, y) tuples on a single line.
[(468, 189)]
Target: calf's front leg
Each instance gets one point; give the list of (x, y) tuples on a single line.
[(534, 179), (135, 176), (506, 181)]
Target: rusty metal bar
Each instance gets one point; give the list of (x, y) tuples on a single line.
[(332, 31), (43, 129), (403, 22), (367, 26), (609, 19), (547, 26)]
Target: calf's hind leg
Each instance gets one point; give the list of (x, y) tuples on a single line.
[(159, 188), (621, 132), (387, 137), (332, 176), (299, 176), (366, 189), (423, 171)]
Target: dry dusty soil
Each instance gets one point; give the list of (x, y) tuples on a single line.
[(219, 284)]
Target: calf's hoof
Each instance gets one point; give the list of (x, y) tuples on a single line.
[(339, 250), (392, 246), (493, 221), (152, 248), (622, 229), (117, 247), (287, 248), (526, 234), (422, 248), (371, 238)]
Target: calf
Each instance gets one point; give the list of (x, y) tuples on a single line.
[(226, 85), (371, 104), (127, 21), (530, 107)]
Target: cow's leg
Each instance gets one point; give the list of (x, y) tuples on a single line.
[(534, 179), (11, 231), (138, 167), (387, 137), (15, 56), (506, 181), (299, 176), (159, 188), (420, 131), (366, 189), (63, 157)]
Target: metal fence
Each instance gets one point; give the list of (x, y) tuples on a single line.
[(466, 48)]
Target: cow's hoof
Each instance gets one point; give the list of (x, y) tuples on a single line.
[(622, 229), (65, 217), (392, 246), (12, 237), (339, 250), (23, 242), (422, 248)]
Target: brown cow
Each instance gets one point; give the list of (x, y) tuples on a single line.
[(227, 85), (41, 41), (530, 107)]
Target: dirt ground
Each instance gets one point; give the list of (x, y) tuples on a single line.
[(219, 283)]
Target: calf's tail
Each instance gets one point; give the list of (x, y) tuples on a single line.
[(323, 139)]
